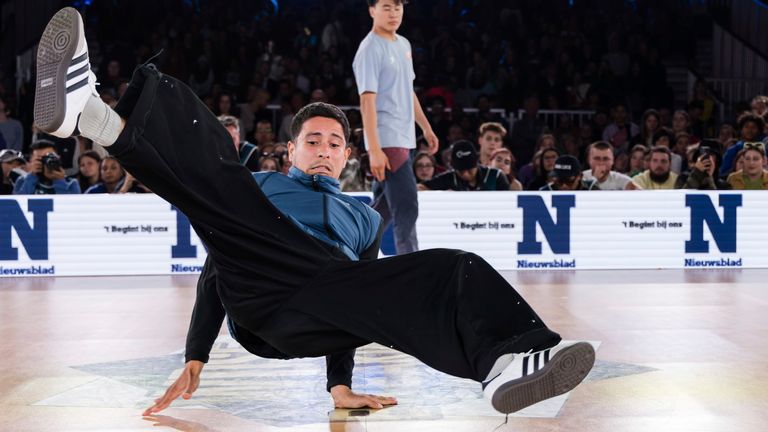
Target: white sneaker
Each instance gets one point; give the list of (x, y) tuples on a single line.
[(64, 78), (534, 377)]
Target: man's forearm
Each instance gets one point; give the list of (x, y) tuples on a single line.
[(368, 113), (207, 316), (421, 118)]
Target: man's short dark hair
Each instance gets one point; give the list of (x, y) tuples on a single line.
[(662, 149), (372, 3), (751, 117), (599, 145), (42, 144), (319, 109)]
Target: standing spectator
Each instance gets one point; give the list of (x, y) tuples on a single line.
[(637, 159), (750, 129), (45, 176), (491, 138), (466, 174), (88, 173), (659, 174), (543, 168), (526, 131), (13, 163), (503, 160), (114, 179), (247, 152), (702, 175), (424, 166), (383, 69), (620, 132), (650, 125), (567, 175), (11, 131), (753, 176), (600, 157)]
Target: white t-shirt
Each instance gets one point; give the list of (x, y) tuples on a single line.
[(615, 180)]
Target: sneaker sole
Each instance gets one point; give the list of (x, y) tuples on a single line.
[(54, 54), (564, 372)]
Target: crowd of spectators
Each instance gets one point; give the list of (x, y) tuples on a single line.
[(255, 63)]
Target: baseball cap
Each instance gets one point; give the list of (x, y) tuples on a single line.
[(566, 166), (463, 155), (8, 155)]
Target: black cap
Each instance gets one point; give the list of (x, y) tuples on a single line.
[(463, 155), (566, 166)]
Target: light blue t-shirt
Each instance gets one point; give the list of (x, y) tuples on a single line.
[(385, 67)]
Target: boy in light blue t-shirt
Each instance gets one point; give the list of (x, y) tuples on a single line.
[(384, 73)]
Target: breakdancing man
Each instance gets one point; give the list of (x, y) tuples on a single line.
[(280, 284)]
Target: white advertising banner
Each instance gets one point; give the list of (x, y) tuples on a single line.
[(144, 235)]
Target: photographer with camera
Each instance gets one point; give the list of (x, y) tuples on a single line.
[(46, 176), (703, 160)]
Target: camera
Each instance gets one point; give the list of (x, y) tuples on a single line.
[(51, 161)]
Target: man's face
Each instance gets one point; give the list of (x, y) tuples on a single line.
[(264, 134), (749, 131), (320, 148), (660, 164), (601, 160), (569, 183), (235, 134), (467, 175), (387, 15), (620, 114), (489, 142)]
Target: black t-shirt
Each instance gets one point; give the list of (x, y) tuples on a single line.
[(487, 179)]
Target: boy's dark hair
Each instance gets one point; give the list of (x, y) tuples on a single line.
[(319, 109), (42, 144), (747, 117), (372, 3)]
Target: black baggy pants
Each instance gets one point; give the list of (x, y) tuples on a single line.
[(448, 308)]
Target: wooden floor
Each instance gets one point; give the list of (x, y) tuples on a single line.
[(677, 351)]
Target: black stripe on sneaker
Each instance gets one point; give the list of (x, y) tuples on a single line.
[(80, 71), (77, 85), (546, 356), (79, 58), (536, 362), (525, 365)]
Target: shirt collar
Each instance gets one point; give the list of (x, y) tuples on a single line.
[(315, 181)]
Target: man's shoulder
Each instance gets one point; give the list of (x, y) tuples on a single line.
[(615, 175)]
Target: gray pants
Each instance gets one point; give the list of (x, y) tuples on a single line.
[(397, 201)]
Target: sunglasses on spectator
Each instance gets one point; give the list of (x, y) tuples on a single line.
[(755, 146)]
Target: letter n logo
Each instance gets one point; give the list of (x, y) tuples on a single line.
[(723, 231), (34, 238), (183, 247), (535, 212)]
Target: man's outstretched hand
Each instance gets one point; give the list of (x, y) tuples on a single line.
[(184, 386), (344, 397)]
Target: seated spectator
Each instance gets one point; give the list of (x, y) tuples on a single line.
[(637, 159), (753, 176), (703, 173), (45, 176), (681, 123), (13, 168), (650, 126), (544, 166), (114, 179), (727, 135), (664, 138), (264, 134), (600, 159), (269, 163), (88, 174), (620, 133), (467, 175), (424, 167), (11, 131), (567, 176), (247, 152), (750, 129), (759, 104), (490, 138), (621, 162), (503, 160), (659, 174), (738, 163)]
